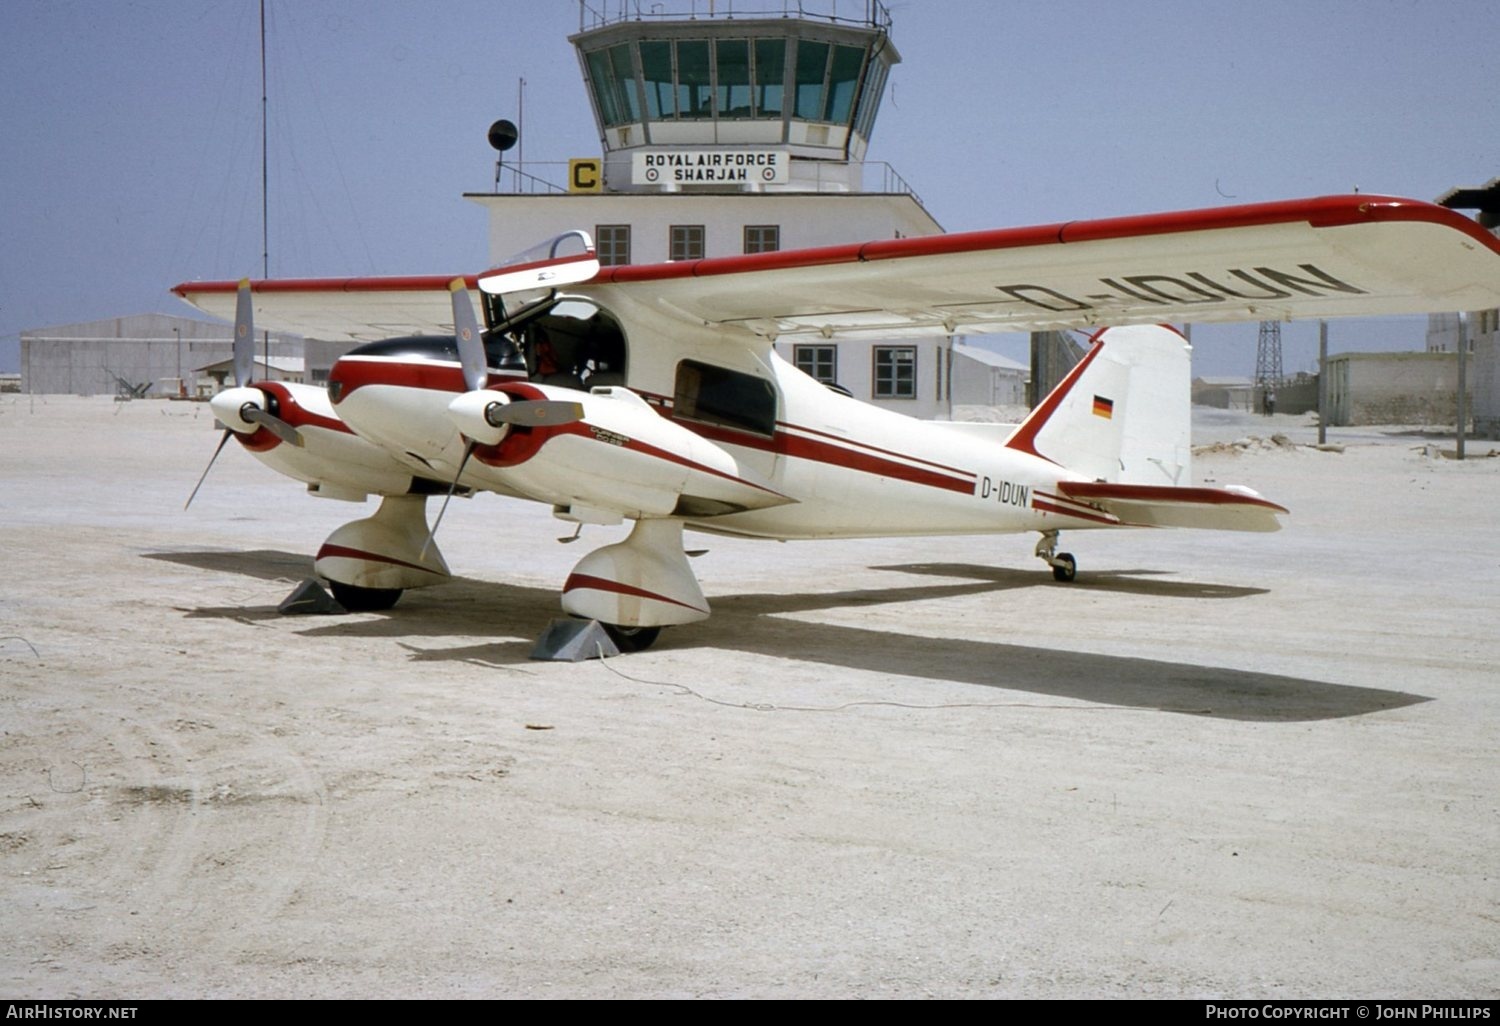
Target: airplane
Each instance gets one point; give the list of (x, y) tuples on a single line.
[(653, 393)]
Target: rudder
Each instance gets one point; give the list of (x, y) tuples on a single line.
[(1122, 414)]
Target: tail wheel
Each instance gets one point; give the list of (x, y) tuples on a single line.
[(364, 600), (1064, 567), (631, 639)]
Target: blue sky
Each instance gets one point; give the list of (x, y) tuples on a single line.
[(133, 140)]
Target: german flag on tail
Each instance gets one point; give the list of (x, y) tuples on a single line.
[(1104, 407)]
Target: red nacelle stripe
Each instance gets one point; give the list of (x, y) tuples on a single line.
[(576, 581), (344, 552)]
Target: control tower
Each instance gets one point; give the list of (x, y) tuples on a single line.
[(730, 127), (734, 97)]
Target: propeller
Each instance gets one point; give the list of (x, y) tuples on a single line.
[(242, 409), (483, 415), (471, 355)]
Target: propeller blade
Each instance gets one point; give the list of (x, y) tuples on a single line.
[(244, 334), (468, 451), (471, 356), (272, 423), (534, 412), (223, 440)]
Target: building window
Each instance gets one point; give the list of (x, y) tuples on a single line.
[(687, 242), (818, 362), (895, 372), (762, 238), (612, 244)]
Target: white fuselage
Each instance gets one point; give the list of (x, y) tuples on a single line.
[(834, 466)]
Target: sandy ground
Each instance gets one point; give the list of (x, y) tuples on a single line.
[(1216, 765)]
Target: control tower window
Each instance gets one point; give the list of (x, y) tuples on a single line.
[(812, 75), (694, 82), (614, 85), (732, 57), (656, 73), (869, 103), (770, 76), (843, 80)]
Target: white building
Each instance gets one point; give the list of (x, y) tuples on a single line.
[(1482, 371), (732, 133), (983, 378)]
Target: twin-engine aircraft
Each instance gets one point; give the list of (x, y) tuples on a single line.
[(654, 394)]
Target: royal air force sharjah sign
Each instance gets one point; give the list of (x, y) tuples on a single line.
[(711, 167)]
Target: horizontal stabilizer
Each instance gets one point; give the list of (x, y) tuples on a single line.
[(1215, 509)]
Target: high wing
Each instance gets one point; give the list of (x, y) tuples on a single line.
[(1325, 257), (352, 309)]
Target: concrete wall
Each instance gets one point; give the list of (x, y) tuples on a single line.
[(1393, 388), (1483, 369), (1484, 382)]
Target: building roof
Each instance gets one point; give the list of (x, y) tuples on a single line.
[(988, 358), (284, 364)]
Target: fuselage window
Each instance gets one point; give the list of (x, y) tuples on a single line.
[(716, 395)]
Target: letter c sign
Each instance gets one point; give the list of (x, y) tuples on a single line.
[(585, 174)]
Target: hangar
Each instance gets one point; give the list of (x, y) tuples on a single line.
[(169, 355)]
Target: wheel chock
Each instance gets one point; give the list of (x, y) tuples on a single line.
[(310, 599), (568, 640)]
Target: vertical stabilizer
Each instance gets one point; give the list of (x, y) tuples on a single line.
[(1122, 414)]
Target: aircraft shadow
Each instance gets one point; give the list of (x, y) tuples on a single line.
[(1126, 582), (263, 564), (513, 616)]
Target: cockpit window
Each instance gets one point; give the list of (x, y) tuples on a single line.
[(575, 344), (563, 340)]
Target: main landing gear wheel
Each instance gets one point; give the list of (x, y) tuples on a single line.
[(631, 639), (1064, 566), (364, 600)]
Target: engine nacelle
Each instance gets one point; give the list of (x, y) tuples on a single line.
[(621, 455), (333, 461)]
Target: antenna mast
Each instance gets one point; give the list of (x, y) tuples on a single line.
[(265, 202), (1268, 374), (265, 229)]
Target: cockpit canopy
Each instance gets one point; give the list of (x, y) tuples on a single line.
[(563, 340)]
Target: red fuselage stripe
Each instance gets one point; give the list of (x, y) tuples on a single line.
[(1047, 507)]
